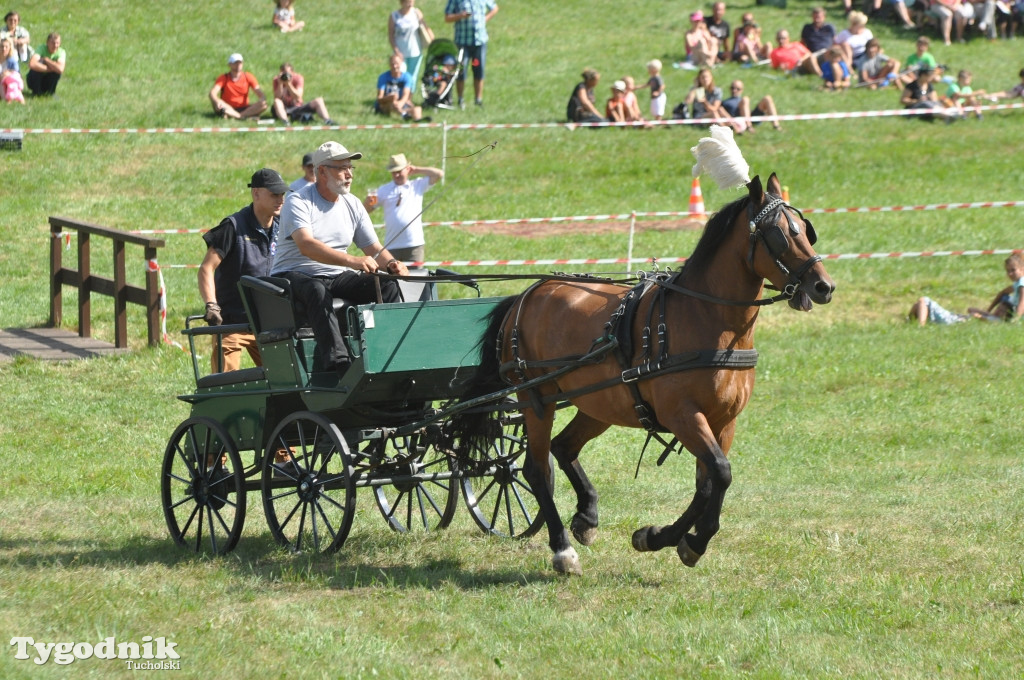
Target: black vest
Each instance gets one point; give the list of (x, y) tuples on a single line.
[(252, 253)]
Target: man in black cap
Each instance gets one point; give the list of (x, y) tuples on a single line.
[(243, 243)]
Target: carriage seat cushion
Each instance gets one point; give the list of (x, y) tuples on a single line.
[(244, 375)]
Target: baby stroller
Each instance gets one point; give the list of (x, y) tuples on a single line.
[(443, 63)]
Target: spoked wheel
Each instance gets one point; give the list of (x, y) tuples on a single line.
[(498, 497), (423, 494), (202, 487), (309, 501)]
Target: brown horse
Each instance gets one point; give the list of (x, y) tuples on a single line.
[(689, 371)]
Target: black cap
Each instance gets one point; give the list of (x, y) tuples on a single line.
[(307, 159), (266, 178)]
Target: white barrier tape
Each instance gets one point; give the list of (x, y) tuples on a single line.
[(627, 216), (676, 260), (510, 126)]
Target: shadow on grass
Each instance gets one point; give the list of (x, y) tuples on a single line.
[(353, 567)]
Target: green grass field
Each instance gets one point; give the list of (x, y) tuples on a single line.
[(874, 525)]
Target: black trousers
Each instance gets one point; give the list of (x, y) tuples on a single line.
[(316, 295), (42, 83)]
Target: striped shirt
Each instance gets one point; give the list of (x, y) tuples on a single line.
[(473, 29)]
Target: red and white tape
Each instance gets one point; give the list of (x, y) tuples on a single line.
[(490, 126)]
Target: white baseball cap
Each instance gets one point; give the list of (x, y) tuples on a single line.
[(235, 57)]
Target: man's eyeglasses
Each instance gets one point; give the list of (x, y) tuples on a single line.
[(339, 168)]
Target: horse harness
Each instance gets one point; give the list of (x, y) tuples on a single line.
[(618, 329)]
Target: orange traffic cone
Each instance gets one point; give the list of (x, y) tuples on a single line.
[(697, 201)]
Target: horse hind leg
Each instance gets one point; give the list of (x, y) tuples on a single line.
[(566, 448)]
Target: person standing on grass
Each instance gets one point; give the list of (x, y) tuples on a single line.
[(402, 201), (242, 244), (470, 18), (46, 66), (230, 93)]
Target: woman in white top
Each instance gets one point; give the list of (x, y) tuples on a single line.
[(404, 35), (853, 41)]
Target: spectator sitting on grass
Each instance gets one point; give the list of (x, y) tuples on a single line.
[(738, 106), (920, 57), (230, 93), (289, 87), (394, 92), (920, 93), (961, 93), (818, 35), (1012, 93), (581, 107), (1008, 304), (853, 40), (46, 66), (615, 108), (793, 57), (284, 17), (19, 36), (877, 69), (835, 71)]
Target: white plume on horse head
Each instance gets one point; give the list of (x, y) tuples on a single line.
[(720, 157)]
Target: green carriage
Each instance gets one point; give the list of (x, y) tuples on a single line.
[(306, 441)]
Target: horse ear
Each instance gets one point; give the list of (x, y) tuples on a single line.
[(774, 186), (756, 192)]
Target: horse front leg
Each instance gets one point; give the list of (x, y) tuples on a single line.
[(566, 448), (537, 472), (714, 475)]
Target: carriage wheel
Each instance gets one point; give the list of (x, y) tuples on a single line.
[(202, 487), (310, 500), (499, 499), (417, 505)]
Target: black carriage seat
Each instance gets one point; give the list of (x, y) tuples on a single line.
[(244, 375), (275, 314)]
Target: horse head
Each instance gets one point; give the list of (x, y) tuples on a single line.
[(781, 247)]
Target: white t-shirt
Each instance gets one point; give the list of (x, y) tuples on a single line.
[(858, 42), (403, 205), (337, 225)]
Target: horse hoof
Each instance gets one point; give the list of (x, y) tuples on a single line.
[(582, 531), (687, 554), (567, 562), (640, 540)]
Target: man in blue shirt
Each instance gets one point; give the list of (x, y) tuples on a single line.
[(394, 92), (470, 18)]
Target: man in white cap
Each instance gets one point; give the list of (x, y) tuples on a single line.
[(318, 224), (242, 244), (402, 201), (230, 94)]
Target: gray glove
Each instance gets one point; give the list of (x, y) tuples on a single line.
[(213, 316)]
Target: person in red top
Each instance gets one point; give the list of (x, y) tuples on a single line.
[(230, 94), (793, 56)]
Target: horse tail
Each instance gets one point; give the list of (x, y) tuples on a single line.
[(477, 422)]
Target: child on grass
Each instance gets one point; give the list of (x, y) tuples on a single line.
[(284, 17), (657, 85), (1008, 304)]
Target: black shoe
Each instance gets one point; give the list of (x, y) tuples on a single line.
[(423, 119), (342, 367)]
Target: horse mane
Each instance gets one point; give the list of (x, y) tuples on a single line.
[(715, 233)]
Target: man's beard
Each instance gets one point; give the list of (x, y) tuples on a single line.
[(338, 186)]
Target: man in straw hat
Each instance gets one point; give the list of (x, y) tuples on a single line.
[(318, 224), (402, 201)]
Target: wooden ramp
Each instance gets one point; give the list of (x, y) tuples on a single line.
[(52, 344)]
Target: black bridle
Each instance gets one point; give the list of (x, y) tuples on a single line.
[(764, 227)]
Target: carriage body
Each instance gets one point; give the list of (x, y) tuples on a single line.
[(380, 425)]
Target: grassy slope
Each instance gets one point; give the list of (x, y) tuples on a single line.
[(875, 523)]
